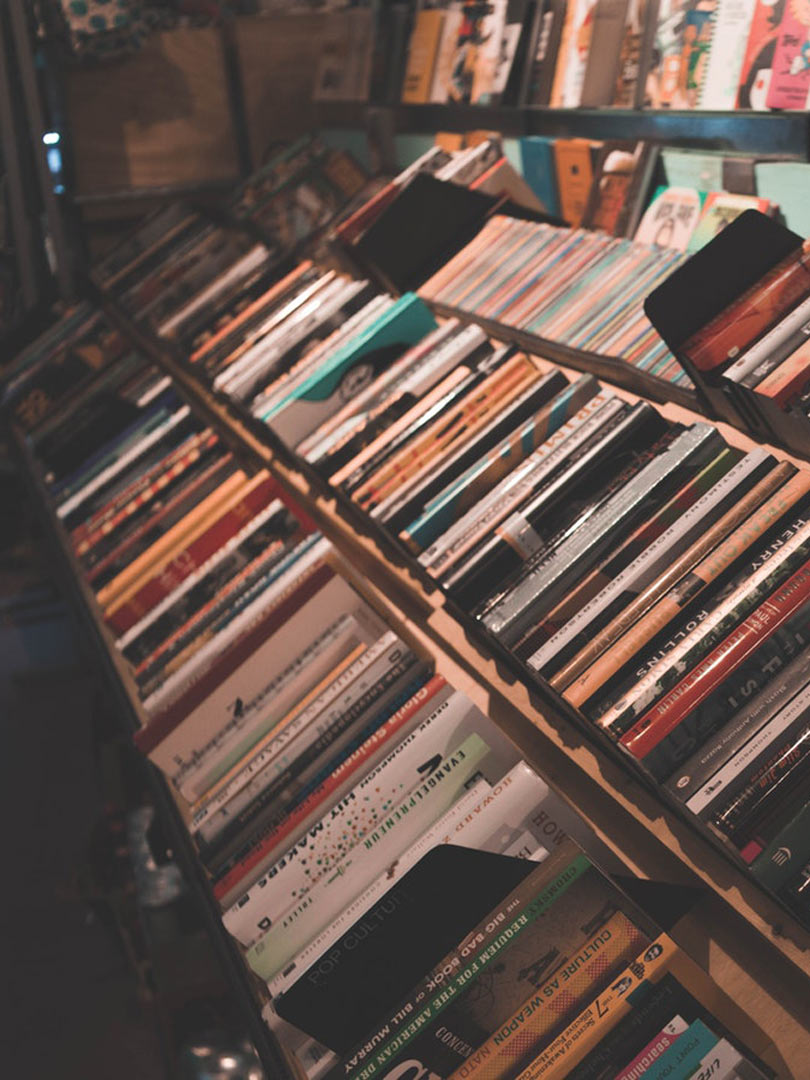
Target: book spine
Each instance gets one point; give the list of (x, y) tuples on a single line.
[(786, 854), (108, 562), (270, 839), (140, 492), (234, 610), (613, 945), (752, 313), (692, 774), (302, 866), (514, 908), (473, 969), (736, 817), (266, 700), (400, 828), (751, 675), (758, 753), (779, 343), (746, 593), (173, 572), (226, 569), (110, 471), (788, 379), (284, 771), (447, 507), (670, 711), (712, 488), (445, 553), (510, 618), (736, 533), (338, 694), (297, 593), (602, 1015), (516, 537)]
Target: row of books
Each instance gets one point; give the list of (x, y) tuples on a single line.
[(410, 892), (424, 429), (412, 449), (660, 54), (636, 565)]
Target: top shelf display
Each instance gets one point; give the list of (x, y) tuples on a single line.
[(784, 135)]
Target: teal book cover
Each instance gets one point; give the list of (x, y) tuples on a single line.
[(685, 1055), (537, 160), (350, 369)]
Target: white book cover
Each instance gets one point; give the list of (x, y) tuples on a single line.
[(332, 700), (446, 55), (721, 80), (579, 47), (252, 716), (386, 876), (506, 821), (189, 673), (296, 736), (391, 836), (419, 711), (452, 719), (179, 752)]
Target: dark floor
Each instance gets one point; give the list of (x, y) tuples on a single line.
[(72, 1008)]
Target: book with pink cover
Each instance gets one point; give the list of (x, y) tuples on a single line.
[(790, 75)]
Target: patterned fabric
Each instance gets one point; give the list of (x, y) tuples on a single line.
[(108, 28), (105, 29)]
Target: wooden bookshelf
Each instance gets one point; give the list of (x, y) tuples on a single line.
[(729, 924), (654, 839)]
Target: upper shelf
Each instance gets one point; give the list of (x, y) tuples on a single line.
[(778, 134)]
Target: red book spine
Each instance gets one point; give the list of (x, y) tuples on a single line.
[(347, 768), (350, 230), (163, 723), (760, 307), (142, 495), (201, 549), (232, 587), (662, 719), (153, 519)]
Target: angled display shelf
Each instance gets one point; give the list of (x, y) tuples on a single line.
[(639, 825)]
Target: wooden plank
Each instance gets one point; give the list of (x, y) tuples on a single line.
[(158, 117), (277, 59)]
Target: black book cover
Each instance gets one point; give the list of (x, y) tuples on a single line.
[(376, 962)]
